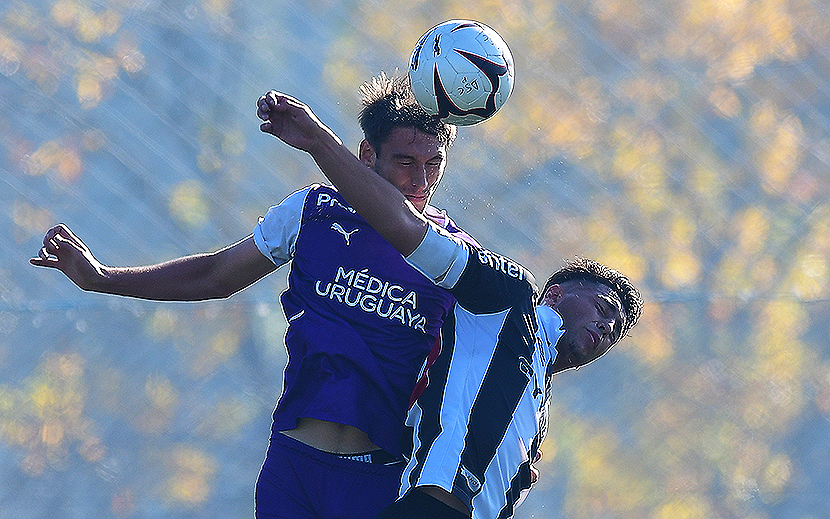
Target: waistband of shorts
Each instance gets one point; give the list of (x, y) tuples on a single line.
[(379, 456), (376, 457)]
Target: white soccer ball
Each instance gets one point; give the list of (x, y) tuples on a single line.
[(461, 71)]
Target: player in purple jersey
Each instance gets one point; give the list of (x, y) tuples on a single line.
[(482, 416), (361, 320)]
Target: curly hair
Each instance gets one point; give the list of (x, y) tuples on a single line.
[(388, 103), (584, 269)]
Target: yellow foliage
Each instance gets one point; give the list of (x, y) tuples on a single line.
[(65, 12), (681, 269), (162, 323), (780, 158), (188, 204), (191, 472), (55, 156), (90, 91), (776, 476), (752, 228), (684, 507), (161, 393), (811, 276), (726, 101), (651, 340), (217, 8), (696, 161)]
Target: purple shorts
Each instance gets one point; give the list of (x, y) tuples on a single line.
[(301, 482)]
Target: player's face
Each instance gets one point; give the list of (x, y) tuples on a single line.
[(591, 320), (411, 160)]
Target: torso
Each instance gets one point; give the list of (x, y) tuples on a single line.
[(493, 366), (361, 322), (332, 437)]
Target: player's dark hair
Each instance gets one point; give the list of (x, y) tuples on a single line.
[(584, 269), (388, 103)]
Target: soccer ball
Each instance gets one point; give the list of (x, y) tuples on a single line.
[(461, 71)]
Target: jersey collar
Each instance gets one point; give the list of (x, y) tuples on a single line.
[(550, 329)]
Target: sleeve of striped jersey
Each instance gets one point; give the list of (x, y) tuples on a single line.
[(440, 257), (276, 233)]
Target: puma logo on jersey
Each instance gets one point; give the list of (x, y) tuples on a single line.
[(347, 235)]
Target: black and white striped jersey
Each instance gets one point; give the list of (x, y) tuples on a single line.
[(483, 413)]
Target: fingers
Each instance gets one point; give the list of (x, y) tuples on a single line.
[(534, 475), (291, 121), (69, 236), (272, 104), (275, 101), (52, 248), (50, 240), (262, 108), (265, 104), (61, 232), (44, 259), (58, 241), (50, 234), (538, 456), (265, 107), (53, 241), (534, 472)]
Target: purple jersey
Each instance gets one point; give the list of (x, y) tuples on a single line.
[(360, 319)]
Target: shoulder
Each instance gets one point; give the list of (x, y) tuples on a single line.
[(322, 197), (308, 201), (492, 282), (501, 266), (297, 198), (441, 219)]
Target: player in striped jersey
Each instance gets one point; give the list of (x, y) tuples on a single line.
[(480, 420)]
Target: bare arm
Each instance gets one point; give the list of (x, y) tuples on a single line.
[(378, 201), (191, 278)]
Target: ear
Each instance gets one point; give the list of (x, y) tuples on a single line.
[(552, 295), (367, 153)]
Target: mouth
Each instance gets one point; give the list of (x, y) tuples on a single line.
[(417, 200), (595, 338)]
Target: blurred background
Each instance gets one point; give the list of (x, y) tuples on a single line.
[(684, 142)]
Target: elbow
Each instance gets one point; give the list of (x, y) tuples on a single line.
[(220, 290)]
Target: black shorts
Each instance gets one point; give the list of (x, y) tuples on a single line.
[(417, 505)]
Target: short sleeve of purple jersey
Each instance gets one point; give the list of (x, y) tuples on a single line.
[(276, 233)]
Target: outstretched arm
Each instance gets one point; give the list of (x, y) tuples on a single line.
[(374, 198), (191, 278)]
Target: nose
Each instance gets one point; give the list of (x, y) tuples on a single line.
[(605, 326), (419, 177)]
